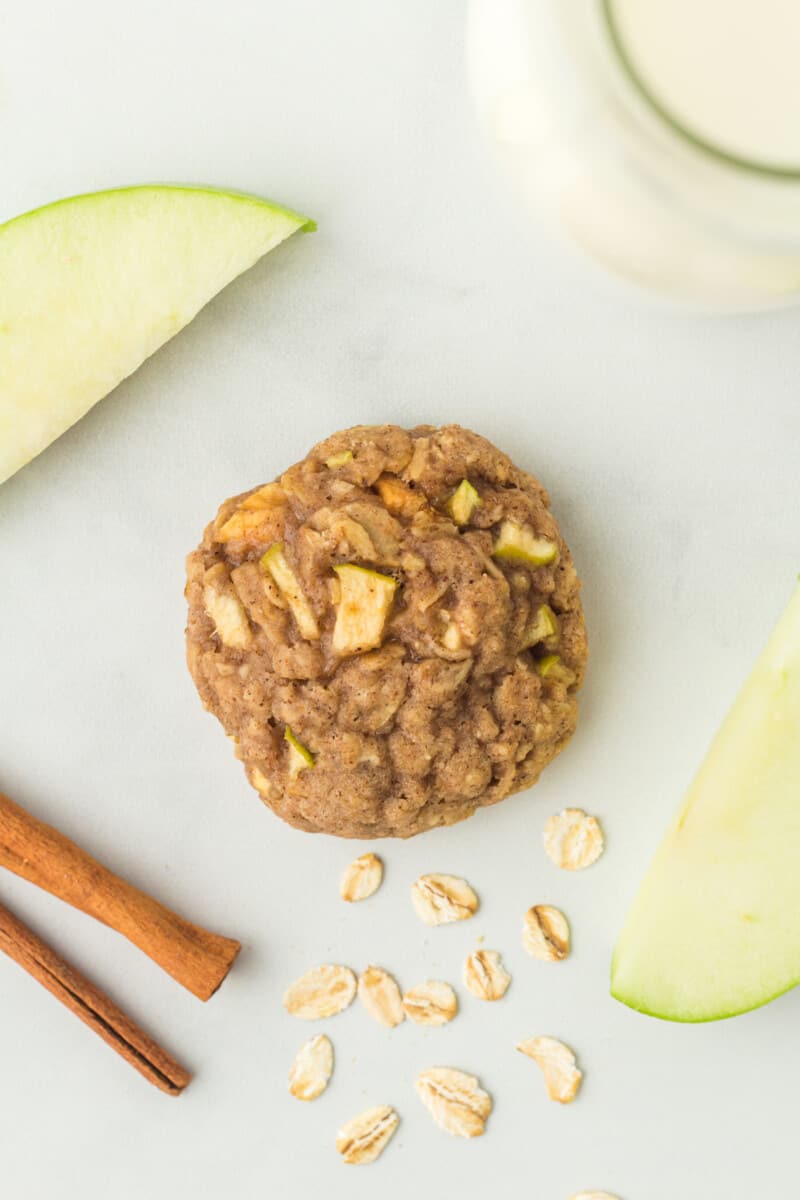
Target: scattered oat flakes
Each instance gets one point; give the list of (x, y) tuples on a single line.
[(430, 1003), (594, 1196), (364, 1139), (380, 995), (573, 840), (562, 1077), (361, 878), (545, 933), (485, 976), (321, 992), (455, 1100), (440, 899), (312, 1068)]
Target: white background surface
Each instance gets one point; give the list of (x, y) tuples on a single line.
[(669, 443)]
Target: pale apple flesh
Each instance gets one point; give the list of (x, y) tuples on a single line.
[(91, 286), (365, 599), (276, 563), (715, 928)]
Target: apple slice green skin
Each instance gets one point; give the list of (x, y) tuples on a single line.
[(715, 928), (91, 286)]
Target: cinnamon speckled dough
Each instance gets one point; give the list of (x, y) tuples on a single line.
[(453, 709)]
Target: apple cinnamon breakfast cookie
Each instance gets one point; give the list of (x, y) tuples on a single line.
[(391, 632)]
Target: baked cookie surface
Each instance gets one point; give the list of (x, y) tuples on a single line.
[(391, 631)]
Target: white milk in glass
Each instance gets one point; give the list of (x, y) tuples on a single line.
[(660, 136)]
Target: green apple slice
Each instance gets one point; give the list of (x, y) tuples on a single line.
[(339, 460), (715, 928), (520, 544), (300, 757), (275, 562), (93, 285), (463, 502), (364, 602)]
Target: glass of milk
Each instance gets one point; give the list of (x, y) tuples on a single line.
[(660, 136)]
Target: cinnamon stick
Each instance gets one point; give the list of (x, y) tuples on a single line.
[(91, 1005), (197, 959)]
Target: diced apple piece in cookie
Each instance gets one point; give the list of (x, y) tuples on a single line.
[(339, 460), (274, 562), (365, 599), (225, 609), (300, 757), (398, 498), (544, 625), (520, 544), (463, 502), (551, 667)]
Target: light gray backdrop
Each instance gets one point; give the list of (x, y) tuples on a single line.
[(670, 445)]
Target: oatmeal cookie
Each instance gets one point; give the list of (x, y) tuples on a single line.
[(391, 632)]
